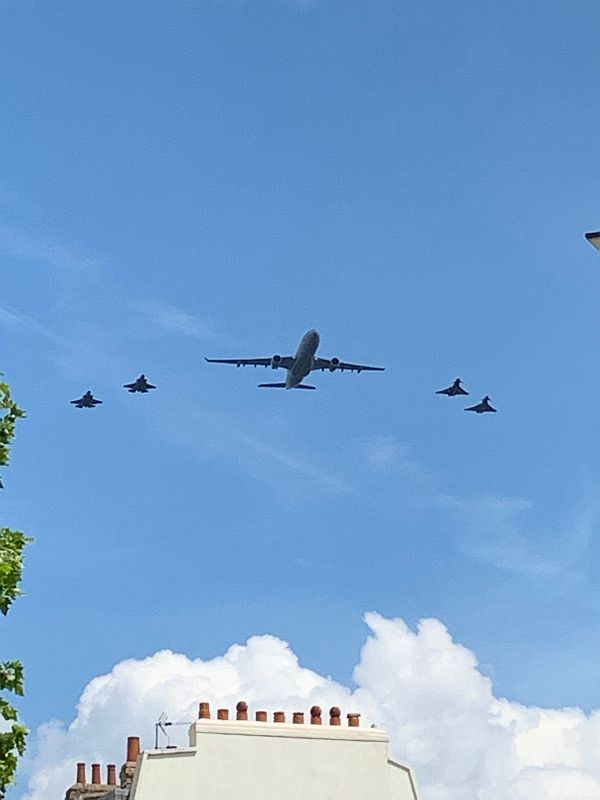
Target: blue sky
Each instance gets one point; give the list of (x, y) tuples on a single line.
[(214, 178)]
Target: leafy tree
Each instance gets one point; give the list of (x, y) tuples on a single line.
[(12, 544)]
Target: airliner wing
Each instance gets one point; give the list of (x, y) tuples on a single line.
[(285, 362), (333, 365), (594, 238)]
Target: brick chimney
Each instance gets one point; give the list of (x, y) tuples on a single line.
[(95, 790), (96, 779), (128, 768)]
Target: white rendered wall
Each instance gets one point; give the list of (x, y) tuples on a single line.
[(244, 760)]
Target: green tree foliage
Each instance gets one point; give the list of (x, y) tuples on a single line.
[(12, 544)]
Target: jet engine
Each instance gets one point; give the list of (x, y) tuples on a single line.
[(333, 364), (275, 361)]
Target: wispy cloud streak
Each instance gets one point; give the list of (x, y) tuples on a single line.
[(173, 319), (23, 246)]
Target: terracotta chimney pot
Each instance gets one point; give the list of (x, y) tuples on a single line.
[(96, 779), (261, 716), (353, 720), (81, 772), (133, 748), (279, 716), (111, 774), (298, 718), (223, 713), (334, 716), (204, 711), (242, 710), (315, 715)]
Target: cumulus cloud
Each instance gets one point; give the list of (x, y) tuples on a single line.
[(425, 689)]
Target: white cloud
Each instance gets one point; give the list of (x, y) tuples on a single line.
[(460, 739)]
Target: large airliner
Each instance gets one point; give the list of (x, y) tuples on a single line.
[(299, 366)]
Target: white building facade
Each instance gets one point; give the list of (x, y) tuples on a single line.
[(256, 759)]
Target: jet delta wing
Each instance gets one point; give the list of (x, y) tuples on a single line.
[(482, 407), (453, 390)]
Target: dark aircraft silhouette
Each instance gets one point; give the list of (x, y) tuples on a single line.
[(482, 407), (140, 385), (87, 401), (453, 390)]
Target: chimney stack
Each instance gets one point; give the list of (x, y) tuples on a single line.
[(96, 779), (128, 768), (81, 772), (111, 774), (133, 749)]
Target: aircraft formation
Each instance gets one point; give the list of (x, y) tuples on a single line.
[(457, 389), (89, 401), (297, 367), (305, 361)]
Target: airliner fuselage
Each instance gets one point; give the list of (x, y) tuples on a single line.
[(304, 360)]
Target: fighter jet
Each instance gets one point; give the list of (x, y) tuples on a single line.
[(594, 239), (140, 385), (298, 366), (453, 390), (87, 401), (482, 407)]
